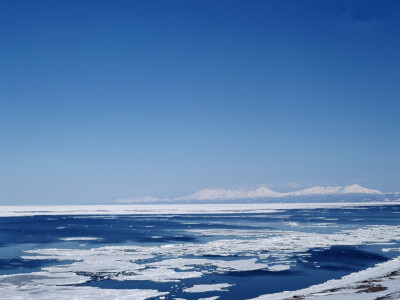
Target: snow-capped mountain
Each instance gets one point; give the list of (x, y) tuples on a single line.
[(263, 192), (221, 194), (355, 188), (324, 190)]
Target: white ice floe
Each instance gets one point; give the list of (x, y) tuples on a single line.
[(320, 225), (41, 278), (390, 249), (50, 284), (202, 288), (240, 265), (292, 224), (67, 293), (159, 275), (277, 268), (80, 239)]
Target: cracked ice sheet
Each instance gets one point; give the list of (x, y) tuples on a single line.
[(127, 261), (160, 275), (48, 285), (41, 278), (202, 288), (222, 265), (280, 244), (67, 293), (121, 262)]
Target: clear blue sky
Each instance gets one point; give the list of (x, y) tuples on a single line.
[(101, 100)]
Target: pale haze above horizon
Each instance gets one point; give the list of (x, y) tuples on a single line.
[(103, 101)]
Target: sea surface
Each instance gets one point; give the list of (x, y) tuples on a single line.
[(217, 255)]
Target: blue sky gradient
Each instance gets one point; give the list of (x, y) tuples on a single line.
[(102, 100)]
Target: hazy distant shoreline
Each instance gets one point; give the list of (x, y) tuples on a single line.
[(174, 209)]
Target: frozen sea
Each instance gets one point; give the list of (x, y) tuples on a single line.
[(265, 251)]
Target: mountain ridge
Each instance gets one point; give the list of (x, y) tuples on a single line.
[(264, 192)]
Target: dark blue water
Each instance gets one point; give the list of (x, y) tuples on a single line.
[(18, 234)]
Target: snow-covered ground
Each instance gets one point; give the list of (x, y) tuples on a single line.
[(379, 282)]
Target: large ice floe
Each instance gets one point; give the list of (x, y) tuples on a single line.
[(52, 292), (201, 288)]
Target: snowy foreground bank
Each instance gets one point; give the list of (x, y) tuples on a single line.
[(379, 282)]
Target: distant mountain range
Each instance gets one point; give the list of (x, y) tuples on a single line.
[(263, 192), (349, 193)]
